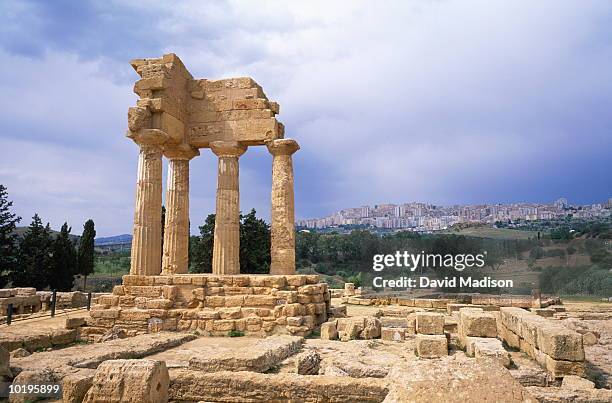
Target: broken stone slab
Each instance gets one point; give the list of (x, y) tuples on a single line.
[(544, 312), (575, 382), (555, 394), (491, 348), (188, 385), (308, 363), (91, 355), (33, 377), (260, 357), (431, 346), (528, 376), (371, 328), (454, 379), (75, 385), (129, 381), (429, 323)]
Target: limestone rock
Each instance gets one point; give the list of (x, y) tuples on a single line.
[(129, 381), (393, 333), (33, 377), (431, 346), (308, 363), (76, 385), (454, 379), (332, 370), (477, 324), (589, 339), (429, 323), (575, 382), (371, 329), (563, 395), (5, 367), (491, 348), (73, 323), (329, 331), (20, 352), (528, 376), (113, 334)]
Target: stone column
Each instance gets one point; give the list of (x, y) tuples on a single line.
[(283, 214), (146, 241), (175, 258), (226, 249)]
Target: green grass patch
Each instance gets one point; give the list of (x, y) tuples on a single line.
[(235, 333)]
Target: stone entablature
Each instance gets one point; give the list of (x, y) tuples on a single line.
[(256, 305), (177, 115)]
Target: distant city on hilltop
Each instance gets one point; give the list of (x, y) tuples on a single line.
[(425, 217)]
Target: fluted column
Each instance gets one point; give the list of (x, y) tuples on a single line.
[(226, 248), (175, 258), (283, 215), (146, 241)]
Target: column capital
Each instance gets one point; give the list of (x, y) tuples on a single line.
[(227, 148), (181, 152), (282, 146)]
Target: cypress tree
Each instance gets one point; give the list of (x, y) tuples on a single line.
[(64, 261), (35, 257), (202, 251), (85, 257), (254, 244), (9, 251)]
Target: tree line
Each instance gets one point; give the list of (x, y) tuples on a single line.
[(39, 258)]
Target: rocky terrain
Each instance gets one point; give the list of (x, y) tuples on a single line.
[(362, 354)]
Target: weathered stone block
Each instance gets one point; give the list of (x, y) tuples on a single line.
[(431, 346), (329, 331), (574, 382), (235, 301), (224, 325), (511, 318), (429, 323), (129, 381), (230, 313), (560, 343), (159, 304), (144, 291), (259, 300), (111, 313), (491, 348), (561, 368), (422, 303), (544, 312), (73, 323), (76, 385), (371, 328), (393, 333), (477, 324), (215, 301)]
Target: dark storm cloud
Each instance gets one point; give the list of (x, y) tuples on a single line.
[(438, 101)]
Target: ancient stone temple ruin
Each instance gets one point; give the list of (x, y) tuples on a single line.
[(175, 117)]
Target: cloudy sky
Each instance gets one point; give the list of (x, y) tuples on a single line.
[(438, 101)]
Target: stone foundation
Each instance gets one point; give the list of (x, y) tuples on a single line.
[(213, 305)]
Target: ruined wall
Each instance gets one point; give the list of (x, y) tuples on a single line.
[(213, 305)]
